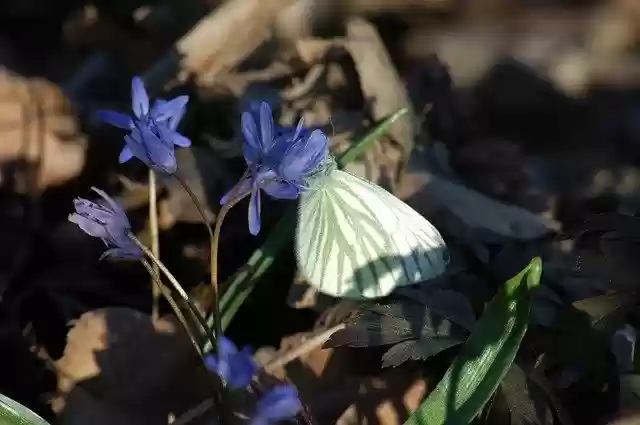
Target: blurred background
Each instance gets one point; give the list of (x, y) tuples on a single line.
[(532, 104)]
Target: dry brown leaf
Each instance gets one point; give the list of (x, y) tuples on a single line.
[(315, 50), (380, 81), (381, 164), (386, 399), (347, 383), (37, 127), (121, 367), (388, 407), (311, 371)]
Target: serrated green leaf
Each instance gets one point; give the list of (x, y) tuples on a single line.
[(485, 358), (14, 413), (244, 280)]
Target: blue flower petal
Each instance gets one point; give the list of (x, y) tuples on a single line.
[(114, 118), (112, 205), (266, 127), (280, 403), (125, 154), (243, 368), (139, 98), (304, 155), (226, 348), (108, 222), (133, 141), (254, 213), (281, 160), (121, 253), (88, 226), (211, 362), (160, 154), (235, 367), (252, 147), (91, 209), (281, 190), (180, 140), (165, 111), (258, 420)]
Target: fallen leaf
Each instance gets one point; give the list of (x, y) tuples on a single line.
[(38, 129), (120, 366), (346, 385), (389, 404), (380, 81)]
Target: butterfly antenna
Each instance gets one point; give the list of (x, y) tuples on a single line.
[(333, 127)]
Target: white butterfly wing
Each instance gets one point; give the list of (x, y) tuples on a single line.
[(356, 240)]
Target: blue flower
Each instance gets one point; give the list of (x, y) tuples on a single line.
[(153, 134), (279, 159), (235, 367), (107, 222), (281, 403)]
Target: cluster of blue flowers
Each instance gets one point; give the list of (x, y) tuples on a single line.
[(280, 159), (280, 162), (153, 136), (236, 368)]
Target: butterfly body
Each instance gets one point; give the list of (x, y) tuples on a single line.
[(356, 240)]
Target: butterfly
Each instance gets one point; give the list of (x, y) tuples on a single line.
[(356, 240)]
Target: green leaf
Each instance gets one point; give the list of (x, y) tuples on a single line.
[(244, 280), (14, 413), (365, 143), (485, 358)]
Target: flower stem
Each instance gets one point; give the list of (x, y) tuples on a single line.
[(212, 256), (155, 241), (216, 232), (157, 283), (174, 282), (218, 388)]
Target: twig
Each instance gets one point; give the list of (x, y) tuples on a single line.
[(194, 413), (302, 349)]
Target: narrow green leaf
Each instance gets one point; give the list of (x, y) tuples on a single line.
[(245, 279), (485, 358), (14, 413), (365, 143)]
